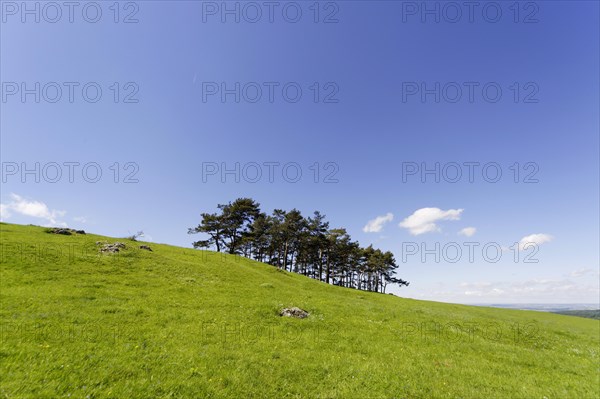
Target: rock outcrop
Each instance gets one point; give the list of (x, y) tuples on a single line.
[(294, 312)]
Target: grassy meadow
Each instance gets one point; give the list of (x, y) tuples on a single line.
[(184, 323)]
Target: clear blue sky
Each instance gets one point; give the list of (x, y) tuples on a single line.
[(367, 62)]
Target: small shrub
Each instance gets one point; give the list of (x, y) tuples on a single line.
[(135, 236)]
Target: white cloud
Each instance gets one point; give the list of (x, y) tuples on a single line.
[(80, 219), (468, 231), (31, 208), (493, 292), (536, 239), (476, 285), (424, 219), (537, 290), (580, 272), (375, 225), (534, 289)]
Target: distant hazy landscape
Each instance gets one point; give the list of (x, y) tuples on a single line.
[(587, 310), (544, 307)]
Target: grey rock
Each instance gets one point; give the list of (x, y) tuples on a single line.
[(58, 230), (294, 312), (64, 231), (110, 248)]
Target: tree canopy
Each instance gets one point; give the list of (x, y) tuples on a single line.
[(292, 242)]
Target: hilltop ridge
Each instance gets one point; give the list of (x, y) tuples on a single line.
[(177, 322)]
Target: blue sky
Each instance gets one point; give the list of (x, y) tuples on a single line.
[(387, 75)]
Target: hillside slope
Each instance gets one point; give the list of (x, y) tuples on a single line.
[(182, 323)]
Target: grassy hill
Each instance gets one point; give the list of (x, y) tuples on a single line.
[(590, 314), (182, 323)]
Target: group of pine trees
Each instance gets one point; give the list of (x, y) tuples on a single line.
[(294, 243)]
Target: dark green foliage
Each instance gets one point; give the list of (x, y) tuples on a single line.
[(590, 314), (294, 243)]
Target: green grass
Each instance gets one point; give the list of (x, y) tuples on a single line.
[(181, 323)]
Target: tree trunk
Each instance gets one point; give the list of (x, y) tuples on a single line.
[(285, 255), (320, 264), (218, 245)]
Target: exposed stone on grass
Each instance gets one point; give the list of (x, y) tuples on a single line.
[(64, 231), (147, 248), (110, 248), (294, 312)]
